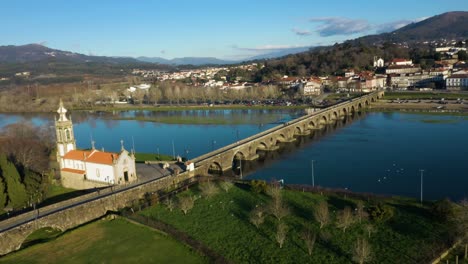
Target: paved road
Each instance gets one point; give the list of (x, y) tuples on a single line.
[(146, 173)]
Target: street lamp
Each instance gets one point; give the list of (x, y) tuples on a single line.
[(422, 176), (313, 178), (213, 144)]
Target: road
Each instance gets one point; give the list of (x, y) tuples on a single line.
[(146, 172)]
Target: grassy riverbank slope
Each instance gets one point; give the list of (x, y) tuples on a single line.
[(115, 241), (407, 232)]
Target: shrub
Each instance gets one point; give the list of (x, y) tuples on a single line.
[(443, 210), (258, 186), (380, 213)]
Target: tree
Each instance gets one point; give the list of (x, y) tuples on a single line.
[(321, 213), (461, 221), (3, 195), (443, 210), (186, 203), (226, 185), (345, 218), (369, 229), (309, 238), (362, 251), (257, 216), (208, 189), (281, 233), (462, 55), (278, 208), (17, 197), (170, 204), (360, 212)]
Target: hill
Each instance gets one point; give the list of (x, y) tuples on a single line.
[(450, 25), (196, 61), (406, 42)]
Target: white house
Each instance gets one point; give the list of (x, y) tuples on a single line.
[(85, 169), (378, 63), (458, 81)]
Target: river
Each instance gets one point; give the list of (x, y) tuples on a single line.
[(376, 152)]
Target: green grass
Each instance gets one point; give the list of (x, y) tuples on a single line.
[(423, 95), (142, 157), (116, 241), (458, 251), (221, 222), (41, 235)]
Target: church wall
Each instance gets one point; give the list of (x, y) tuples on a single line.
[(125, 163), (77, 181), (100, 172)]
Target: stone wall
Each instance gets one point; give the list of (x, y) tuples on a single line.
[(81, 213), (76, 181)]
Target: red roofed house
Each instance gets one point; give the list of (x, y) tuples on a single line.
[(85, 169)]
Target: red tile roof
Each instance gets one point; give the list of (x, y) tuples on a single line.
[(93, 156)]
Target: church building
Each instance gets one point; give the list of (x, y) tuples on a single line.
[(85, 169)]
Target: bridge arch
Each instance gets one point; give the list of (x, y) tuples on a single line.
[(323, 121), (237, 159), (372, 100), (344, 112), (334, 116), (311, 125), (359, 107), (366, 103), (297, 130), (280, 138), (215, 169)]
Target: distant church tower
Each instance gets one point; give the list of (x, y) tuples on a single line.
[(64, 132)]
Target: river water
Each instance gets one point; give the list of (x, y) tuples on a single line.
[(377, 152)]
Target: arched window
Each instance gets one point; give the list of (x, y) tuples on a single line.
[(97, 172), (59, 136), (67, 134)]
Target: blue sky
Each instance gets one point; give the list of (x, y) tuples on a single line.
[(225, 29)]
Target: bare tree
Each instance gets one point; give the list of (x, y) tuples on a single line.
[(278, 208), (226, 185), (345, 218), (360, 212), (362, 251), (281, 233), (309, 238), (170, 204), (208, 189), (257, 216), (274, 191), (322, 214), (461, 219), (369, 229), (186, 203)]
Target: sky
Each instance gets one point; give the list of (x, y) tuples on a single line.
[(232, 30)]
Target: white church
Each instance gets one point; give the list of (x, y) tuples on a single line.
[(85, 169)]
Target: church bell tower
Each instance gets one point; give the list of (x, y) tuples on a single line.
[(64, 133)]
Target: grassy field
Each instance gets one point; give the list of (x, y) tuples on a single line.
[(142, 157), (222, 223), (116, 241)]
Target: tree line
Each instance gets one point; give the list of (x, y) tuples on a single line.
[(24, 165)]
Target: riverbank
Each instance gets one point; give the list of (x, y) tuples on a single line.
[(426, 106)]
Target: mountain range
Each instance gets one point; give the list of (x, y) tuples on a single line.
[(451, 25), (197, 61)]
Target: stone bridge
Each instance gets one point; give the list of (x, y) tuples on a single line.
[(228, 158), (77, 211)]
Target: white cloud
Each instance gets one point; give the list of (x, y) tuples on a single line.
[(331, 26), (301, 32)]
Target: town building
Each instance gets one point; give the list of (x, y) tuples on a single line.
[(458, 81), (378, 62), (312, 86), (86, 169)]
